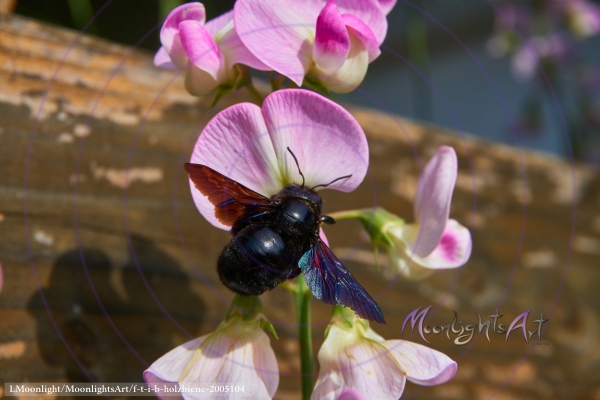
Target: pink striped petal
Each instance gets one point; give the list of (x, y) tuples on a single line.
[(236, 143), (332, 43), (201, 48), (432, 201), (362, 32), (235, 52), (325, 138), (169, 33), (249, 145), (279, 33), (162, 59), (423, 366)]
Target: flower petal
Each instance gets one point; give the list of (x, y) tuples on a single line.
[(351, 394), (169, 33), (217, 26), (352, 72), (321, 235), (234, 51), (332, 43), (369, 12), (432, 201), (201, 48), (279, 33), (162, 59), (169, 367), (199, 82), (387, 5), (237, 144), (325, 138), (423, 366), (364, 34), (359, 364), (223, 359), (453, 250)]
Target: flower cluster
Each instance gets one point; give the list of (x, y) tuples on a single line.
[(251, 161), (324, 44)]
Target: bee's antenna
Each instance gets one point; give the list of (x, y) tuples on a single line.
[(298, 165), (333, 181)]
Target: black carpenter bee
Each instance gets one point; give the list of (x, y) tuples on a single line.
[(277, 238)]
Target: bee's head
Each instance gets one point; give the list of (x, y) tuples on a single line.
[(295, 190)]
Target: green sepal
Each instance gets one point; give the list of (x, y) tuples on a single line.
[(316, 86), (242, 79), (374, 221), (249, 307), (264, 324)]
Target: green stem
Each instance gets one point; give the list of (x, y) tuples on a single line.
[(304, 336), (252, 90), (350, 214)]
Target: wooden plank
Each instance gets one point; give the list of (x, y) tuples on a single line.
[(76, 113)]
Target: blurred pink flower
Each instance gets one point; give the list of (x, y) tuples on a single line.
[(357, 363), (209, 52), (330, 43), (583, 17), (249, 144), (554, 48)]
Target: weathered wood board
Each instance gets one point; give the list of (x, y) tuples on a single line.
[(108, 265)]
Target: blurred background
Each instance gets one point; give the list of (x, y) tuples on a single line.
[(470, 65)]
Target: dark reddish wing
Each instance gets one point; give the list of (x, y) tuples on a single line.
[(232, 200), (330, 282)]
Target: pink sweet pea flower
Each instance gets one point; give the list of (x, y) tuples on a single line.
[(357, 363), (249, 144), (331, 43), (238, 352), (211, 53), (583, 17), (433, 241)]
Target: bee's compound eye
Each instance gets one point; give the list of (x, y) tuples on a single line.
[(326, 219)]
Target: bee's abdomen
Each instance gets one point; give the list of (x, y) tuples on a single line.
[(256, 260)]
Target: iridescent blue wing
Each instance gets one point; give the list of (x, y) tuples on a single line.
[(231, 199), (330, 282)]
